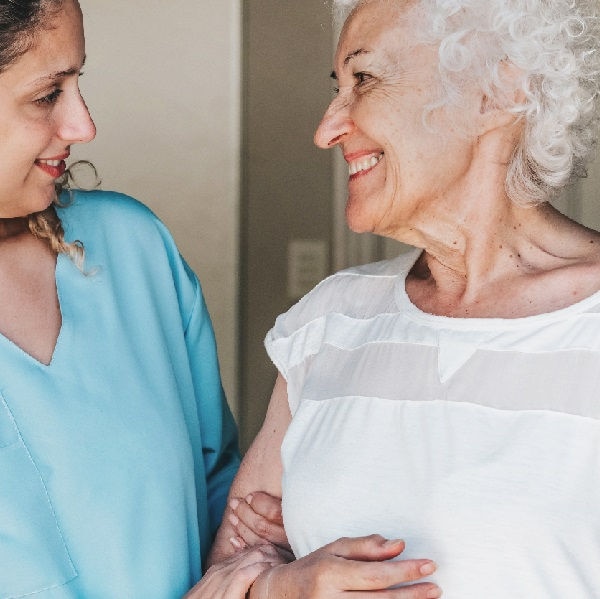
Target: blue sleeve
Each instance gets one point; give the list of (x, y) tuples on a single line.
[(217, 428)]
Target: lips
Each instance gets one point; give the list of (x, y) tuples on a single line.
[(54, 167), (364, 163)]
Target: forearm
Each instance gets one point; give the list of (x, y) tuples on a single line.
[(222, 547), (260, 468)]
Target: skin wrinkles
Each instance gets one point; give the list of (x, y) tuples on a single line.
[(392, 71), (439, 182)]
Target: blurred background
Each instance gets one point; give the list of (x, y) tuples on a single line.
[(205, 112)]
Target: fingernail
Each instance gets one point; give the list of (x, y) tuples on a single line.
[(235, 542), (233, 519), (435, 593), (391, 542), (234, 503), (428, 568), (249, 499)]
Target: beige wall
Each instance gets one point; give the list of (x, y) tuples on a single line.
[(162, 80), (588, 198), (287, 182)]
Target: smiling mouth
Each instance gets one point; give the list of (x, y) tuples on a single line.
[(364, 164), (54, 168)]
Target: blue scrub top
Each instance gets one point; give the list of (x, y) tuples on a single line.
[(116, 458)]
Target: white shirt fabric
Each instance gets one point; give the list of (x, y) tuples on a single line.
[(477, 441)]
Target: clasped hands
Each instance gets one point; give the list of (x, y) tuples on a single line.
[(263, 566)]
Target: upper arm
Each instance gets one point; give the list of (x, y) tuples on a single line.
[(261, 467)]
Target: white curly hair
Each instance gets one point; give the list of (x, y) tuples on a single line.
[(554, 43)]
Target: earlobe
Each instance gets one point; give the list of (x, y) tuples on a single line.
[(497, 111), (491, 116)]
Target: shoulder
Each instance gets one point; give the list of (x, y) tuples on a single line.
[(123, 235), (94, 217), (102, 206), (360, 292), (114, 226)]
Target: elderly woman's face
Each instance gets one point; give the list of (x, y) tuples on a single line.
[(41, 115), (398, 168)]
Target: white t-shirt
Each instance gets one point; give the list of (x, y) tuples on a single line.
[(477, 441)]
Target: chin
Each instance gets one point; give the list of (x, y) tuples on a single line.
[(44, 202), (32, 208), (357, 220)]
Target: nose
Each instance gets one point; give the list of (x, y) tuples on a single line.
[(76, 124), (336, 124)]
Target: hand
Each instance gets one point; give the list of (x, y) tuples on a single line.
[(257, 519), (231, 578), (354, 568)]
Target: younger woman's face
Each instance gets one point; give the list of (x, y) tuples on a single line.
[(42, 114)]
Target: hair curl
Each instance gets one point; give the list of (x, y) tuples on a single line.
[(555, 44), (20, 22), (46, 225)]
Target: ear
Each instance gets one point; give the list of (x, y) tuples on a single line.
[(496, 112), (492, 117)]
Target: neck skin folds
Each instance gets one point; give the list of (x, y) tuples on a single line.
[(11, 227), (482, 250)]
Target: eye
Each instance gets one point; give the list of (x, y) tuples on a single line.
[(50, 98), (362, 77)]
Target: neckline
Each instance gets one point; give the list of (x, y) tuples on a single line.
[(20, 351), (405, 304)]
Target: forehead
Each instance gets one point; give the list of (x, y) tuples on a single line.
[(57, 47), (378, 24), (61, 33)]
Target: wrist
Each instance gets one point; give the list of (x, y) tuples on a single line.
[(262, 586)]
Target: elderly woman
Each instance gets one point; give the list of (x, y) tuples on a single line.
[(448, 397)]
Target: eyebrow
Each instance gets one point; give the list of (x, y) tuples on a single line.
[(354, 55), (58, 75), (348, 58)]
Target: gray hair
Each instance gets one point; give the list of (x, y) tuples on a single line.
[(554, 43)]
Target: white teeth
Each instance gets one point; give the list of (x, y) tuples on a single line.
[(51, 162), (364, 164)]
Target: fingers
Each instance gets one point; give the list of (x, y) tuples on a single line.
[(232, 578), (221, 584), (370, 576), (370, 548), (323, 574), (257, 519), (415, 591), (364, 564), (266, 505)]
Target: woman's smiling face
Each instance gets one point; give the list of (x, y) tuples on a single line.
[(42, 114), (398, 167)]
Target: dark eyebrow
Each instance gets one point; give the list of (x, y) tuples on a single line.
[(349, 58), (58, 75), (354, 54)]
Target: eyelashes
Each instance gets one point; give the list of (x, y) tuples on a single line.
[(360, 78), (50, 98)]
